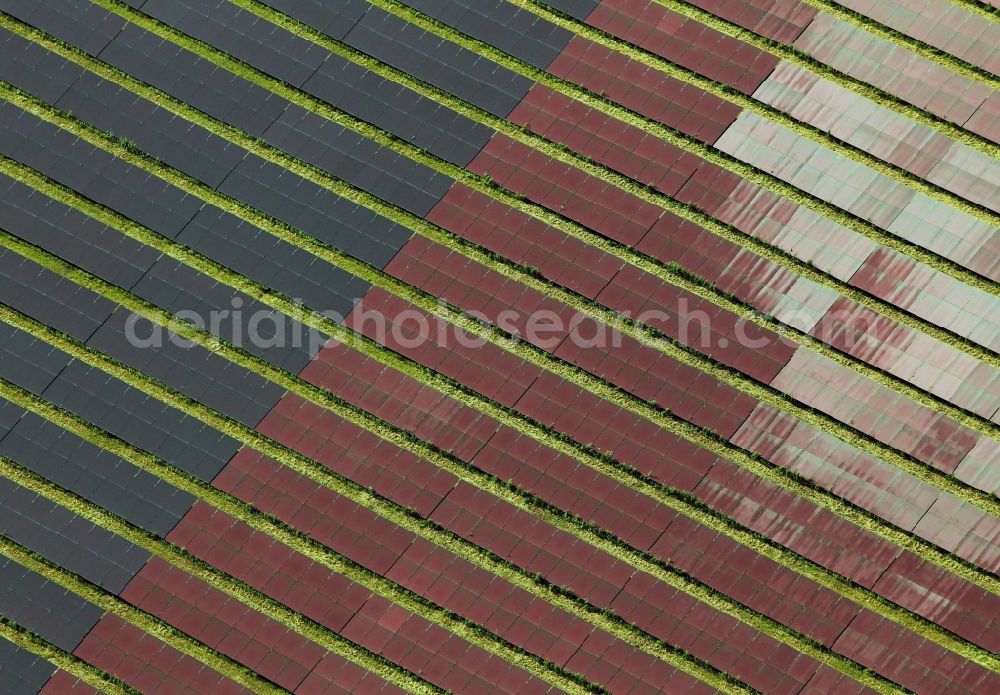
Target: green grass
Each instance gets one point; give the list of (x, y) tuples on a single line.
[(297, 312), (558, 596), (73, 665), (136, 617)]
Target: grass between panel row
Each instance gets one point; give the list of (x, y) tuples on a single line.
[(535, 355), (136, 617), (378, 353), (791, 54), (723, 92), (943, 58), (784, 478), (523, 500), (217, 579), (71, 664)]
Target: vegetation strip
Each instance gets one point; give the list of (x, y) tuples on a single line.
[(785, 479), (876, 603), (729, 94), (791, 54), (136, 617), (71, 664), (943, 58), (664, 271), (537, 356), (562, 154), (217, 579), (527, 502), (654, 267)]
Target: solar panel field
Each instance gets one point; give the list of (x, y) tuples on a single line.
[(528, 346)]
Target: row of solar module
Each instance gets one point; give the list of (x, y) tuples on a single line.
[(22, 672), (798, 160), (344, 84)]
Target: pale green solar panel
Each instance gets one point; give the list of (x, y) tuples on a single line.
[(939, 23), (869, 407), (943, 229), (836, 466), (804, 304), (963, 529), (981, 466), (856, 188), (969, 173), (892, 68)]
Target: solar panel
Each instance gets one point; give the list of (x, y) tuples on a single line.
[(188, 368), (95, 474), (67, 539), (142, 421), (44, 607), (513, 30), (447, 66), (22, 671)]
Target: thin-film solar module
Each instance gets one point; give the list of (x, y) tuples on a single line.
[(225, 312), (61, 230), (273, 262), (189, 368), (50, 298), (69, 540), (21, 671), (513, 30), (79, 22), (142, 421), (455, 69), (28, 362), (44, 607), (73, 463)]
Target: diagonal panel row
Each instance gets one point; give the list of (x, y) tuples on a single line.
[(839, 44), (779, 151)]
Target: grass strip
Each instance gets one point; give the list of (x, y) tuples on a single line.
[(524, 501), (138, 618), (71, 664), (535, 355), (723, 92), (783, 478)]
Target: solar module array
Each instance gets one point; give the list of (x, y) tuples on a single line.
[(274, 415)]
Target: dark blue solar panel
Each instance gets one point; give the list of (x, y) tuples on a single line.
[(448, 66), (67, 539), (44, 607), (21, 671), (95, 474), (511, 29)]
